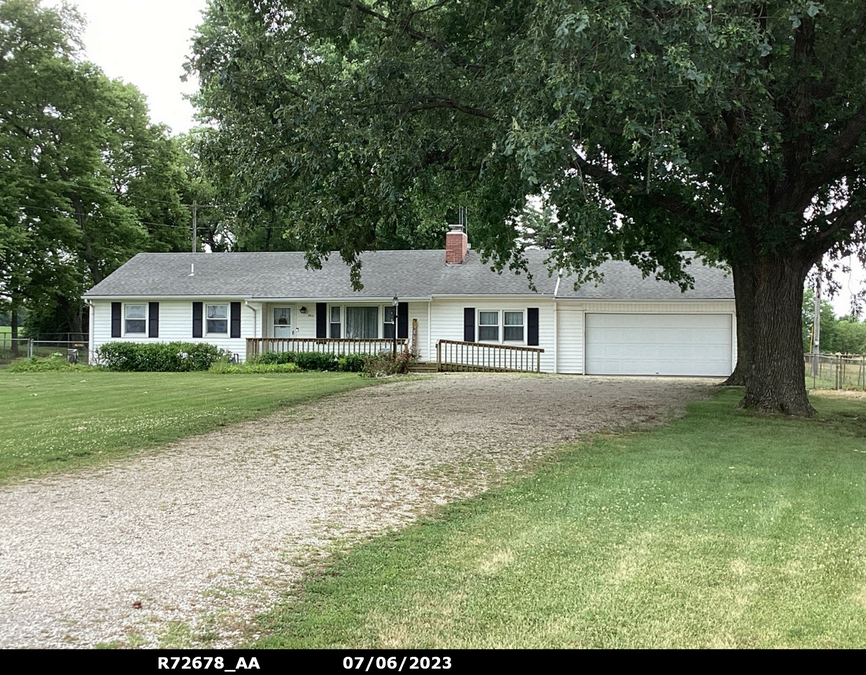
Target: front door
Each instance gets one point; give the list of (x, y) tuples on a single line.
[(282, 322)]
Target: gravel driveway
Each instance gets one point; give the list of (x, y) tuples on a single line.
[(186, 544)]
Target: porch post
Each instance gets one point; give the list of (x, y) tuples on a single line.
[(395, 302)]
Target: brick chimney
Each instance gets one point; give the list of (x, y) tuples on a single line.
[(456, 245)]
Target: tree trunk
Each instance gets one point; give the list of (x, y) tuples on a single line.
[(744, 298), (72, 315), (776, 381), (13, 333)]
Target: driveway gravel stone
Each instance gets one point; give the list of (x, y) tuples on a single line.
[(184, 545)]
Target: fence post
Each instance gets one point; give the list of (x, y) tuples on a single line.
[(29, 348)]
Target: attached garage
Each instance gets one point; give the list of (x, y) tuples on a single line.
[(659, 344), (631, 324)]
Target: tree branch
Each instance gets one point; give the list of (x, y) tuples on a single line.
[(833, 163), (687, 215), (844, 222), (441, 47), (437, 102)]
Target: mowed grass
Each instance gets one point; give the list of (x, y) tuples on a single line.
[(725, 529), (61, 420)]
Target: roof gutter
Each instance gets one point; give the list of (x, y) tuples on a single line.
[(156, 296), (372, 298)]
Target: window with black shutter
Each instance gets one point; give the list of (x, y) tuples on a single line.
[(115, 319), (469, 324), (153, 319), (532, 326), (196, 319)]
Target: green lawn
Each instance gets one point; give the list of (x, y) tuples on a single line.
[(59, 420), (725, 529)]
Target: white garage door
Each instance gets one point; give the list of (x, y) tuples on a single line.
[(658, 344)]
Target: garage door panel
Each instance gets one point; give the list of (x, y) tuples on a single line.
[(658, 344)]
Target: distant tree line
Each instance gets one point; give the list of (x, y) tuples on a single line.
[(87, 180), (839, 335)]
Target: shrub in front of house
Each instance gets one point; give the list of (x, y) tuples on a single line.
[(316, 360), (268, 358), (304, 360), (386, 364), (162, 357), (352, 363)]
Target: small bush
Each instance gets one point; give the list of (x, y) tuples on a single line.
[(273, 357), (386, 364), (316, 360), (162, 357), (352, 363), (304, 360)]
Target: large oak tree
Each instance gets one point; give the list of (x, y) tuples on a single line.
[(733, 127)]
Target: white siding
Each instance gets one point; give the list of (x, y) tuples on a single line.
[(570, 340), (676, 307), (418, 310), (175, 325), (446, 316)]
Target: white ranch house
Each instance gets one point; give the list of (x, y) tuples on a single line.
[(451, 307)]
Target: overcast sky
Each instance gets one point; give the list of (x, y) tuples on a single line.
[(145, 42)]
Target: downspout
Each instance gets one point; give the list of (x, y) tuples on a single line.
[(90, 335), (429, 329), (556, 324), (255, 323), (255, 318)]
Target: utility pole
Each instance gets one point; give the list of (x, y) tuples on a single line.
[(816, 328), (194, 225)]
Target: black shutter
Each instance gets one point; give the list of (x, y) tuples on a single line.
[(532, 326), (469, 324), (403, 321), (115, 319), (196, 319), (153, 319), (236, 320), (321, 319)]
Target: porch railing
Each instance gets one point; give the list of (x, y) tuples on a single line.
[(454, 355), (338, 346)]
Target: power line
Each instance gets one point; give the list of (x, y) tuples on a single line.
[(68, 213), (108, 193)]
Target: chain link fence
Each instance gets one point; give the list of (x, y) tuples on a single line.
[(74, 351), (834, 371)]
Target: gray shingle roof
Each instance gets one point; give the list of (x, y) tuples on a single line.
[(626, 282), (408, 274)]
